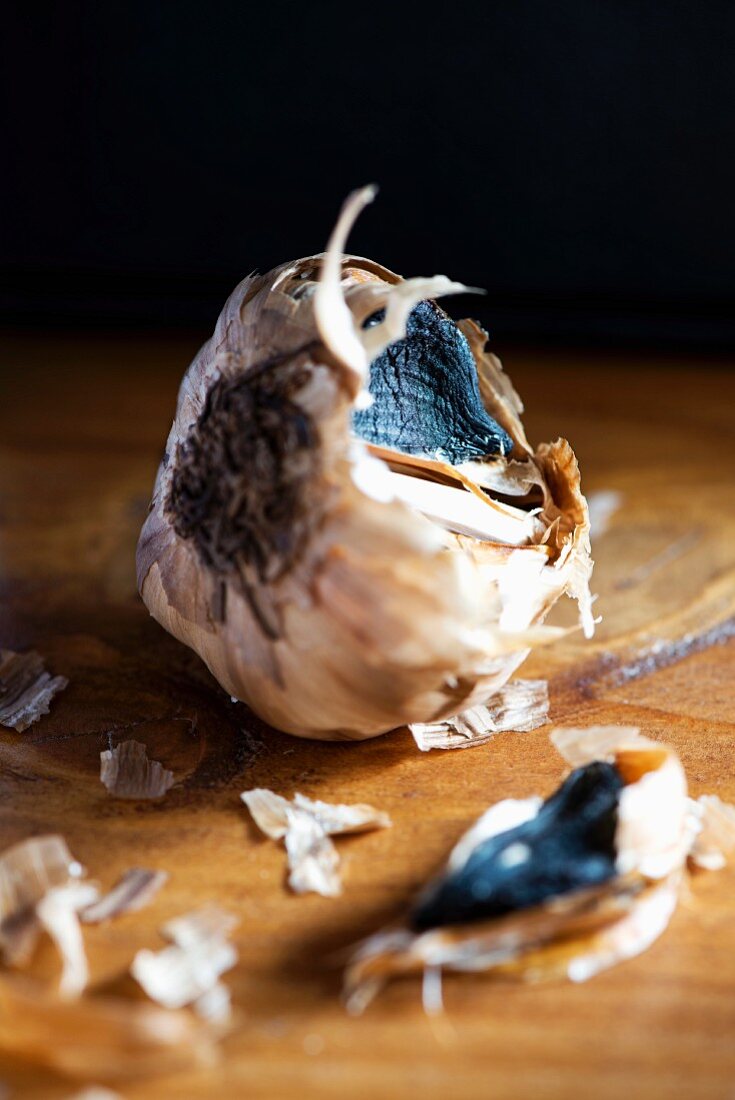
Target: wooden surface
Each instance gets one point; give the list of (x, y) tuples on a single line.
[(82, 424)]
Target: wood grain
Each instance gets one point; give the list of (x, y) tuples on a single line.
[(82, 424)]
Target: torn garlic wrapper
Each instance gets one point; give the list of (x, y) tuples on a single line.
[(132, 891), (349, 525), (127, 772), (26, 689), (42, 888), (187, 971), (563, 888), (521, 706), (305, 826)]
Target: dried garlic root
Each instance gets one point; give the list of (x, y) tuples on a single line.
[(349, 525), (562, 888)]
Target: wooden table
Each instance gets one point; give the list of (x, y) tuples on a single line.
[(82, 424)]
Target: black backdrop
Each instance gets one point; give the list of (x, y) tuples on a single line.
[(573, 157)]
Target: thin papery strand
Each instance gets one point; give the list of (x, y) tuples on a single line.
[(353, 346)]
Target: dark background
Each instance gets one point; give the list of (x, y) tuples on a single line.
[(574, 158)]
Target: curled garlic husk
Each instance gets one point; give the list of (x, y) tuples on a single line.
[(334, 573), (563, 888)]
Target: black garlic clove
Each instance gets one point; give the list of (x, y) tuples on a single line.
[(426, 399), (568, 845)]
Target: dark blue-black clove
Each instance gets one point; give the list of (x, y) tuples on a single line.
[(569, 845), (426, 399)]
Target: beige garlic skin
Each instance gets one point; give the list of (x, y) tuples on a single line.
[(359, 614)]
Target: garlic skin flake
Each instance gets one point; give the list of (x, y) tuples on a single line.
[(127, 772), (58, 913), (337, 585), (29, 870), (305, 826), (521, 706), (26, 689), (133, 890), (187, 972), (563, 888), (42, 887)]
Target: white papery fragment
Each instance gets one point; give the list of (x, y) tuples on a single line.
[(521, 705), (269, 811), (465, 512), (28, 870), (127, 772), (312, 857), (358, 347), (187, 972), (401, 299), (716, 836), (333, 319), (26, 688), (655, 830), (306, 826), (338, 817), (131, 892), (57, 913)]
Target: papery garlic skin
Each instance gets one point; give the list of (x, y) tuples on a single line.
[(360, 614)]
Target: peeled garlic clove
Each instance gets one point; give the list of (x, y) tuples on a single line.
[(331, 527), (561, 888)]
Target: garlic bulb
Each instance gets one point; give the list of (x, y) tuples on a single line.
[(349, 525)]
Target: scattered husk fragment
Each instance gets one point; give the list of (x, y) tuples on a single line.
[(130, 893), (560, 889), (42, 888), (187, 972), (305, 826), (313, 861), (29, 871), (521, 705), (26, 688), (339, 586), (127, 772), (337, 817), (57, 913)]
